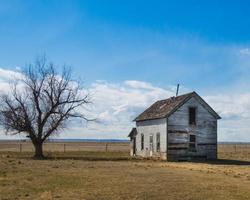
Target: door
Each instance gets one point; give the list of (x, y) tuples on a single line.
[(134, 145), (151, 147)]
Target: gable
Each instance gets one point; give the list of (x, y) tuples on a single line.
[(164, 108), (200, 101), (181, 117)]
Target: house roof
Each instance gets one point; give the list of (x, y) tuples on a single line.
[(166, 107)]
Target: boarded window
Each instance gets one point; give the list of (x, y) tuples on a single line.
[(192, 116), (192, 138), (192, 142), (142, 141), (158, 142)]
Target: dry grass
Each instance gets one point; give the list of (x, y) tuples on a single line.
[(234, 151), (114, 175)]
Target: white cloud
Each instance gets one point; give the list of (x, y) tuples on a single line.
[(235, 112), (116, 105), (231, 106), (138, 84), (7, 77), (9, 74), (245, 51)]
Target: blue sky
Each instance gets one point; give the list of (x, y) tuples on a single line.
[(203, 45)]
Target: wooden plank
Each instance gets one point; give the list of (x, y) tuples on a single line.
[(177, 131), (206, 144), (177, 145)]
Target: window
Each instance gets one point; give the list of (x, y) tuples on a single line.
[(192, 116), (192, 141), (142, 141), (192, 138), (158, 143)]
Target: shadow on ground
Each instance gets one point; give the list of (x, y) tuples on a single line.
[(96, 158), (90, 158), (222, 162)]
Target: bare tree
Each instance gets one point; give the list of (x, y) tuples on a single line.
[(40, 105)]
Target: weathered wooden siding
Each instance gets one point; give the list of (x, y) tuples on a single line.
[(151, 127), (179, 131)]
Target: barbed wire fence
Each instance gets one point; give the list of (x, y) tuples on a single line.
[(234, 151), (67, 147)]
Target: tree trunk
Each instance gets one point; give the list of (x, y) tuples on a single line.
[(39, 150)]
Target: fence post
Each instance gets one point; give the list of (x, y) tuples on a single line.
[(106, 147), (235, 148), (20, 147), (64, 148), (249, 150)]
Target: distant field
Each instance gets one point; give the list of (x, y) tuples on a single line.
[(114, 175), (233, 151), (66, 146)]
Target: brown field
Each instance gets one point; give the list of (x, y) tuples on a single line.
[(98, 171)]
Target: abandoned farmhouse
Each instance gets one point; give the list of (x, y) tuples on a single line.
[(179, 128)]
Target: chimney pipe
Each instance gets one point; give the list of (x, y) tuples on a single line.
[(177, 89)]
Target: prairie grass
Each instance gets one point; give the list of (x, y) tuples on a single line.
[(115, 175)]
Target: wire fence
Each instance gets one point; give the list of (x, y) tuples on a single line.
[(66, 146), (234, 148), (100, 147)]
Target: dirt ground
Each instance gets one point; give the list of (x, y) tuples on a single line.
[(114, 175)]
